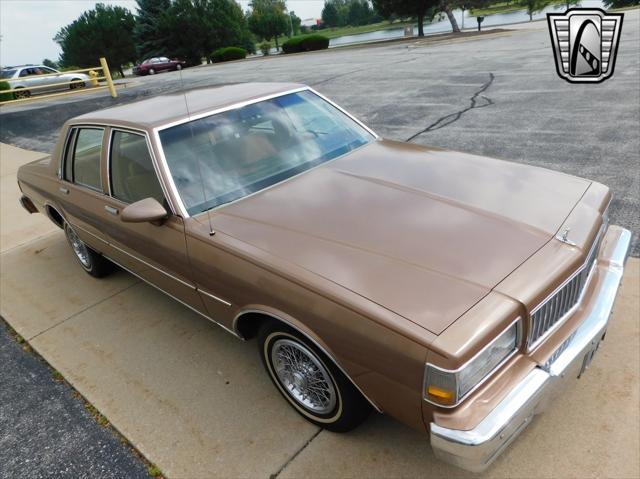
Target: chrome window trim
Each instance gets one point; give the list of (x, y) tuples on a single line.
[(519, 338), (319, 346), (156, 169), (568, 314), (172, 185), (79, 127), (241, 104), (65, 150), (339, 108)]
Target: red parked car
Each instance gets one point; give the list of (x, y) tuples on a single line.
[(154, 65)]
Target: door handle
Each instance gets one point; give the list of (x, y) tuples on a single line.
[(64, 190), (111, 209)]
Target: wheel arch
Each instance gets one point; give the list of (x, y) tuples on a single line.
[(54, 215), (248, 321)]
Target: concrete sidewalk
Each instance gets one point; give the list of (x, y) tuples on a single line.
[(196, 402)]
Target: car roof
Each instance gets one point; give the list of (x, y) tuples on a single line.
[(173, 107)]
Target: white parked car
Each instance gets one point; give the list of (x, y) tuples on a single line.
[(30, 76)]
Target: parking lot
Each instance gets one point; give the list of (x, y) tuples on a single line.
[(196, 402), (498, 96)]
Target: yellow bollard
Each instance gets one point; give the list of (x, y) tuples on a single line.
[(107, 74), (93, 74)]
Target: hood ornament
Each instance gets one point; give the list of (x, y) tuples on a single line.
[(564, 237)]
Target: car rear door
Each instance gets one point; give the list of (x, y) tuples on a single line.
[(155, 253), (80, 193)]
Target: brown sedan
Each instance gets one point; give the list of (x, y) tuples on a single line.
[(453, 292)]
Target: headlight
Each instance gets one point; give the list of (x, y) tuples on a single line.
[(447, 388)]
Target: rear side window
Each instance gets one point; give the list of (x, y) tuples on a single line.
[(133, 177), (85, 167)]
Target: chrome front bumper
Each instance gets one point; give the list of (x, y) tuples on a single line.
[(477, 448)]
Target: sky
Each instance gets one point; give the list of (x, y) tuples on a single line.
[(27, 27)]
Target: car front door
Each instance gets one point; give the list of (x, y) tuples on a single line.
[(165, 63), (54, 79), (154, 252)]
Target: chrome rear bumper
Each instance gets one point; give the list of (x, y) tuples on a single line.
[(477, 448)]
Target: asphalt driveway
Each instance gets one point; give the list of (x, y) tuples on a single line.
[(498, 96), (45, 430)]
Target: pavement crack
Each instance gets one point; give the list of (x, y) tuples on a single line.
[(297, 453), (476, 101)]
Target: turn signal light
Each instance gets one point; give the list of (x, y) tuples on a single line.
[(440, 395)]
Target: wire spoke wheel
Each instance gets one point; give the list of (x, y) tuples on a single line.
[(79, 248), (303, 376)]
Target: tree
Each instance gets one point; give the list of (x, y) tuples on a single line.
[(296, 22), (330, 14), (147, 31), (620, 3), (359, 12), (448, 6), (194, 29), (106, 31), (418, 9), (49, 63), (534, 6), (268, 19)]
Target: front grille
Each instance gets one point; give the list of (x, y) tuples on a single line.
[(547, 315)]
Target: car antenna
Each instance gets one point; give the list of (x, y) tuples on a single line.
[(204, 193)]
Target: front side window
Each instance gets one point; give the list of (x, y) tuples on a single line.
[(227, 156), (133, 177), (86, 158), (8, 73)]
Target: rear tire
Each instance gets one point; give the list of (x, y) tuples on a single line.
[(23, 93), (309, 380), (92, 262)]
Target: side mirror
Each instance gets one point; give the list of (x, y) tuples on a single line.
[(143, 211)]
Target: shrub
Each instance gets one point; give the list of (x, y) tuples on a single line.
[(4, 85), (228, 54), (265, 48), (69, 68), (305, 43)]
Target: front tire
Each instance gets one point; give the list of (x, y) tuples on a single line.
[(152, 71), (79, 84), (92, 262), (310, 381), (178, 67)]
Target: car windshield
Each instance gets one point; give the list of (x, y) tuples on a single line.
[(8, 73), (227, 156)]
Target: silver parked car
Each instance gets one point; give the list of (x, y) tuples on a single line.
[(26, 77)]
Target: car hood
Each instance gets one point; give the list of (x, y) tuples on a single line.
[(425, 233)]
